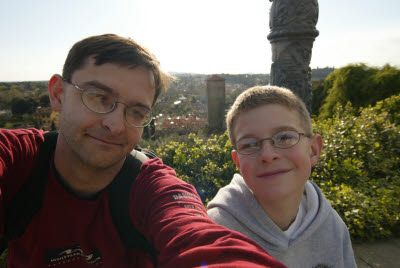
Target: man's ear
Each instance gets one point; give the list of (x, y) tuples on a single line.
[(56, 92), (235, 158), (316, 149)]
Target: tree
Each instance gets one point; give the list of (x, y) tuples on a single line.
[(44, 101), (8, 96), (360, 85), (386, 83), (21, 106), (318, 95)]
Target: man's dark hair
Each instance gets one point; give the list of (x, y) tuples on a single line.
[(111, 48)]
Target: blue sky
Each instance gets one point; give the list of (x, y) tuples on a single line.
[(208, 36)]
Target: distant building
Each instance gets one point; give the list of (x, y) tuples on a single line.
[(216, 102)]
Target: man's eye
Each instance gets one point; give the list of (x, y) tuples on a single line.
[(99, 97), (136, 113), (95, 93)]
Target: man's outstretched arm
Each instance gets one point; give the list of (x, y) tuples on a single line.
[(170, 214)]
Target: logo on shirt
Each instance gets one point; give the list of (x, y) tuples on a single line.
[(70, 254), (183, 195)]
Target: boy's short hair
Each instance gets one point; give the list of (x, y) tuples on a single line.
[(111, 48), (263, 95)]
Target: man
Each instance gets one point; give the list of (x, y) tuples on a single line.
[(104, 97)]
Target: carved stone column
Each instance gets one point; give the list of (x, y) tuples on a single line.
[(292, 24)]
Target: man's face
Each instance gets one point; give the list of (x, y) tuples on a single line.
[(96, 140), (274, 173)]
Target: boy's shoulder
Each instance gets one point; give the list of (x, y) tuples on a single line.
[(325, 209), (235, 192), (234, 204)]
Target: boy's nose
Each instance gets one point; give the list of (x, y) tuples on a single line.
[(115, 120), (268, 152)]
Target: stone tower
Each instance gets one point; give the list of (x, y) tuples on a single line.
[(216, 102), (292, 24)]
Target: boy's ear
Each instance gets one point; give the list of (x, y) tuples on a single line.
[(56, 92), (316, 149), (235, 158)]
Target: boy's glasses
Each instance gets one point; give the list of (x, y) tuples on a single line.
[(282, 139), (103, 102)]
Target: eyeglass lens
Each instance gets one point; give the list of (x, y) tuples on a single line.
[(282, 139), (101, 101)]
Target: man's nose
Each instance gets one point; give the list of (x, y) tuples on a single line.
[(114, 121)]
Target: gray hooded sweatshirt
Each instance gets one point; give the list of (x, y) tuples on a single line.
[(317, 238)]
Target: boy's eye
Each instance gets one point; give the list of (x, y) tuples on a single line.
[(285, 137), (247, 144)]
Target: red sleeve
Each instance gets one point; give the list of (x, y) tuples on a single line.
[(169, 212), (18, 155)]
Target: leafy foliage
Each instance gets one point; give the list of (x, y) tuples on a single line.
[(18, 90), (359, 169), (204, 163), (21, 106), (359, 84), (319, 94)]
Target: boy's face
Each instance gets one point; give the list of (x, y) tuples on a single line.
[(273, 173)]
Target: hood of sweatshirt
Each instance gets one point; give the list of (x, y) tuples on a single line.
[(250, 218)]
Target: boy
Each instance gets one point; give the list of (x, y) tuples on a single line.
[(272, 201)]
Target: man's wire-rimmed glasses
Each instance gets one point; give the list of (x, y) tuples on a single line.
[(282, 139), (101, 101)]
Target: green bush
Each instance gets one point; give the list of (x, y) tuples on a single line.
[(205, 163), (358, 83), (359, 169)]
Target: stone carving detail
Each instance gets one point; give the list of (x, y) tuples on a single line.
[(288, 14), (292, 24)]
